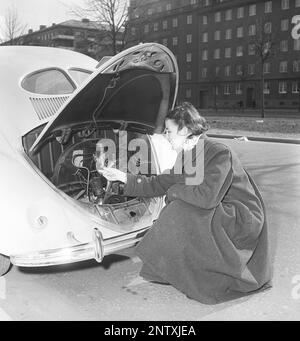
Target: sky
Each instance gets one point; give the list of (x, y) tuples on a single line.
[(34, 13)]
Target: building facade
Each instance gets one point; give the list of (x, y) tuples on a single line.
[(229, 52), (84, 36)]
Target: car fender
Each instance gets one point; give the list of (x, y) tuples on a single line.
[(35, 217)]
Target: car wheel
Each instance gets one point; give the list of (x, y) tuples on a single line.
[(4, 264)]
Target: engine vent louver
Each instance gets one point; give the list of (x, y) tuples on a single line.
[(46, 107)]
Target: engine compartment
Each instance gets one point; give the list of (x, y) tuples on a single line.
[(72, 168)]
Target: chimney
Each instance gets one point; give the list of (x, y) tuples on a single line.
[(85, 20), (30, 31), (42, 27), (53, 24)]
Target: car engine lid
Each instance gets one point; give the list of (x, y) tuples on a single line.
[(132, 90)]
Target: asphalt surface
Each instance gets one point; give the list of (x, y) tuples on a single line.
[(114, 291)]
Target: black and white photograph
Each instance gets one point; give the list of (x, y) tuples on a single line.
[(150, 163)]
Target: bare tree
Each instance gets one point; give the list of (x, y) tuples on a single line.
[(264, 44), (13, 27), (109, 17)]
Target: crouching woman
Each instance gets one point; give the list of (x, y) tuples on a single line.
[(210, 240)]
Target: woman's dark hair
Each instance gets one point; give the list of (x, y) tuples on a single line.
[(186, 115)]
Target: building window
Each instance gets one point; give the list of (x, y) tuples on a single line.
[(227, 89), (283, 87), (217, 35), (188, 93), (217, 54), (216, 90), (296, 65), (193, 2), (189, 39), (204, 55), (165, 41), (217, 16), (252, 10), (297, 3), (297, 44), (267, 67), (284, 24), (227, 70), (175, 22), (238, 89), (175, 41), (239, 51), (206, 3), (285, 4), (133, 31), (251, 49), (205, 37), (266, 88), (228, 33), (165, 24), (228, 52), (168, 7), (217, 70), (240, 32), (283, 66), (204, 20), (252, 30), (239, 70), (146, 28), (188, 57), (150, 11), (268, 28), (189, 19), (228, 14), (251, 69), (240, 12), (284, 46), (204, 72), (159, 9), (268, 7), (188, 75), (155, 27), (295, 87)]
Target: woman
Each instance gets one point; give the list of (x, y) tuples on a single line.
[(210, 240)]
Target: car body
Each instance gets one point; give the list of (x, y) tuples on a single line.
[(56, 105)]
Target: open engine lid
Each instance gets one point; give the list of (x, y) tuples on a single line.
[(132, 90)]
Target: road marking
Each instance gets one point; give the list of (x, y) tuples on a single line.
[(136, 259), (4, 316), (2, 288), (136, 281)]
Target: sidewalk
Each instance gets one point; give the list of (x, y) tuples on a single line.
[(283, 113)]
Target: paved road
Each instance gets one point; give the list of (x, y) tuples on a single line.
[(113, 290)]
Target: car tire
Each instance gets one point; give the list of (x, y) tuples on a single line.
[(4, 264)]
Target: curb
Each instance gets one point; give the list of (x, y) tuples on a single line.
[(252, 138)]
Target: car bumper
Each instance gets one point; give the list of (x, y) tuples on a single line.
[(96, 249)]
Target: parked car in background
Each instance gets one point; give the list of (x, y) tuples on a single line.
[(56, 106)]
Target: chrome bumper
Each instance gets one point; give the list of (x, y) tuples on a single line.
[(96, 249)]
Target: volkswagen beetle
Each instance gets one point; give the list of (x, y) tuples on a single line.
[(56, 106)]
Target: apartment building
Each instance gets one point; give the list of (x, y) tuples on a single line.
[(217, 45)]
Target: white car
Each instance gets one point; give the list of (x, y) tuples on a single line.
[(56, 106)]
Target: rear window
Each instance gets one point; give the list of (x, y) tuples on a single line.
[(48, 82), (79, 76)]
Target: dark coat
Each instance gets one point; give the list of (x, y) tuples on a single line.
[(210, 240)]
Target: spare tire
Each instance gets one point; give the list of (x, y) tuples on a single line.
[(4, 264)]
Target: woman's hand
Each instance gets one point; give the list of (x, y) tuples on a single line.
[(113, 174)]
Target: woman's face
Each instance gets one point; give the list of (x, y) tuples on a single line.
[(174, 136)]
